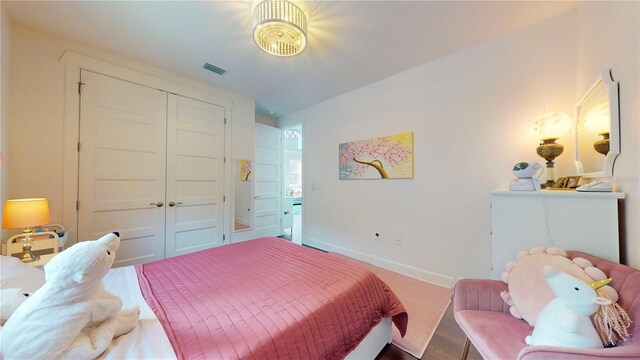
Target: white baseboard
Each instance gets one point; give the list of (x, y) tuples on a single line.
[(414, 272)]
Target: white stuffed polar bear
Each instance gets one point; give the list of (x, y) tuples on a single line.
[(71, 316)]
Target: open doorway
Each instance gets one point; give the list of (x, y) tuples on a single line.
[(292, 169)]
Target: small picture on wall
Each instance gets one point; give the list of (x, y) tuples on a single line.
[(386, 157), (245, 170)]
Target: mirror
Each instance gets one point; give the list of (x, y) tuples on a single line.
[(597, 128), (243, 179)]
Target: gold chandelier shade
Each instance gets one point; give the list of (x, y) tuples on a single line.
[(279, 27)]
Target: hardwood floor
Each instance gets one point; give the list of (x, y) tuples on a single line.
[(446, 344)]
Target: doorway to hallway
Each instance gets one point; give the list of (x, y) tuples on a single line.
[(292, 182)]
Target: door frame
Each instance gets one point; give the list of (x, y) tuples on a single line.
[(283, 126), (73, 63)]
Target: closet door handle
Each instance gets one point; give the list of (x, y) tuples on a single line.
[(158, 204), (172, 203)]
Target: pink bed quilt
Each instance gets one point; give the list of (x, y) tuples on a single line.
[(266, 299)]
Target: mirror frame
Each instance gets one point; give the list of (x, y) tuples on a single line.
[(611, 86)]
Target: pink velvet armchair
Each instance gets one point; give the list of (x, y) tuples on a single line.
[(485, 319)]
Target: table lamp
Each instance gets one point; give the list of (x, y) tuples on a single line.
[(549, 127), (26, 214), (598, 120)]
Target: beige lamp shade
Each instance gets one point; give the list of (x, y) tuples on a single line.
[(551, 125), (25, 213)]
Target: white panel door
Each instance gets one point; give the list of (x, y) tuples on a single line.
[(268, 178), (122, 166), (195, 169)]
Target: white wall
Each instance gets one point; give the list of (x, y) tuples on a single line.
[(470, 112), (609, 37), (5, 61), (37, 116)]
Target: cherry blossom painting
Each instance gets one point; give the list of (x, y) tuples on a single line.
[(386, 157)]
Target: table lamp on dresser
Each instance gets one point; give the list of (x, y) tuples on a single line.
[(26, 214), (549, 127)]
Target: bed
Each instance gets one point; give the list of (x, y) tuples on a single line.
[(260, 299)]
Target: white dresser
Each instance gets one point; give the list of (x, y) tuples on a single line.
[(570, 220)]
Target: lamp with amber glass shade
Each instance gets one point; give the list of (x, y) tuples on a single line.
[(549, 127), (26, 214)]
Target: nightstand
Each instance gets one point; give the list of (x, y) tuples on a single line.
[(43, 240)]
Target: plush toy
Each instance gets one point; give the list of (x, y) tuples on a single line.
[(565, 321), (10, 299), (71, 316), (528, 291)]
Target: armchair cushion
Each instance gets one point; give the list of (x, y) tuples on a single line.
[(487, 330), (484, 317)]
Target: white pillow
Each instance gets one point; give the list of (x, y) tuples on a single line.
[(10, 299), (16, 274)]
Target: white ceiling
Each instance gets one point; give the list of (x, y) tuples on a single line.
[(350, 43)]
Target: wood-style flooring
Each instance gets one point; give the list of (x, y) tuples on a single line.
[(446, 344)]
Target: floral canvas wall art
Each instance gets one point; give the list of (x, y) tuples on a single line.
[(245, 170), (386, 157)]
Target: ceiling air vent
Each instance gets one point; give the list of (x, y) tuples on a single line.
[(215, 69)]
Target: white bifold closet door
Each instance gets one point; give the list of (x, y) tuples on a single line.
[(122, 166), (151, 167), (195, 168)]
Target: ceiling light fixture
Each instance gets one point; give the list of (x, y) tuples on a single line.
[(279, 27)]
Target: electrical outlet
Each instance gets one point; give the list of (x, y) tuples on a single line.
[(398, 241), (376, 236)]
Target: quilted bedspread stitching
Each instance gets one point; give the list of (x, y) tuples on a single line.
[(264, 299)]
